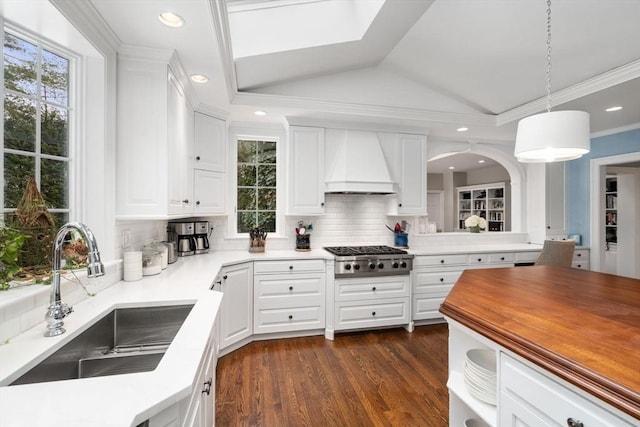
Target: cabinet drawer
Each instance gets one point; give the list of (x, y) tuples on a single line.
[(427, 306), (372, 288), (549, 399), (277, 286), (387, 313), (508, 257), (527, 256), (439, 260), (580, 254), (478, 259), (288, 266), (423, 281), (583, 264), (269, 320)]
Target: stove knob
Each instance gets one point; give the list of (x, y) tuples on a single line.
[(395, 264), (380, 265), (347, 266), (356, 266), (372, 265), (403, 264)]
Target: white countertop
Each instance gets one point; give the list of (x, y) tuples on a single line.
[(122, 400), (474, 249)]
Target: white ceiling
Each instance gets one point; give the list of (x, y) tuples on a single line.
[(426, 65)]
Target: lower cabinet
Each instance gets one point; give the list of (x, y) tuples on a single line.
[(201, 409), (372, 302), (236, 313), (289, 296)]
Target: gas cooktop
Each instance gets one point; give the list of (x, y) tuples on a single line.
[(364, 250)]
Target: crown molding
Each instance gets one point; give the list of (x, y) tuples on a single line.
[(595, 84), (212, 111), (220, 22), (614, 131)]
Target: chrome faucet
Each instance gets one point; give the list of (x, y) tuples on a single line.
[(58, 310)]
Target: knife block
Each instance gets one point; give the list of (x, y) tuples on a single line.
[(303, 242), (257, 245)]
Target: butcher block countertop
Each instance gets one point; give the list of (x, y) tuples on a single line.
[(580, 325)]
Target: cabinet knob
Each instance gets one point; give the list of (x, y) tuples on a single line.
[(479, 259), (291, 267), (399, 205), (207, 386), (185, 201), (548, 227), (290, 288), (224, 277), (373, 314), (579, 254), (290, 316), (579, 265), (574, 423), (322, 204), (441, 261), (442, 279), (198, 203), (373, 289), (501, 258), (197, 157)]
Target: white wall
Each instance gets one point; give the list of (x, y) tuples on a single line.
[(487, 175)]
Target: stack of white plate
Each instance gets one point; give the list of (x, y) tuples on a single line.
[(480, 374)]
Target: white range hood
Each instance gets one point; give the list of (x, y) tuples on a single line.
[(356, 164)]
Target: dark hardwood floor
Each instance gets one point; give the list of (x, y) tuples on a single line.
[(372, 378)]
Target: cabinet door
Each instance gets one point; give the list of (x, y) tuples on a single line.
[(412, 192), (178, 145), (210, 143), (208, 393), (236, 313), (209, 192), (306, 170), (555, 198)]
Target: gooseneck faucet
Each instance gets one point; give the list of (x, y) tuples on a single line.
[(58, 310)]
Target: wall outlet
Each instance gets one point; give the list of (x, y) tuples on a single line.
[(125, 239)]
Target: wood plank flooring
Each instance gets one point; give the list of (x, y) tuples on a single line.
[(372, 378)]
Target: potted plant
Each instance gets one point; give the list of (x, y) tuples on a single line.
[(474, 223), (11, 242)]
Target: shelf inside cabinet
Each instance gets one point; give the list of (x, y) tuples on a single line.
[(456, 385)]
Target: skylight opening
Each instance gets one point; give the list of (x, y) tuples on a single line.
[(261, 27)]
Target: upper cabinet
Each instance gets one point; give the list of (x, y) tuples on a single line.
[(407, 156), (154, 136), (209, 165), (555, 198), (306, 172)]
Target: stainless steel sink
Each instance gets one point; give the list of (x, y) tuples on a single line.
[(126, 340)]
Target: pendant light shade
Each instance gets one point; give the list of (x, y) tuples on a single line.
[(554, 136)]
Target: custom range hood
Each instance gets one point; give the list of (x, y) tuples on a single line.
[(356, 164)]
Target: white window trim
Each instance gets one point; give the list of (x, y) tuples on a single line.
[(256, 132)]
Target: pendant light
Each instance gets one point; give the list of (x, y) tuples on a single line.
[(552, 136)]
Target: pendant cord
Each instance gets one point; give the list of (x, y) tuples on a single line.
[(548, 56)]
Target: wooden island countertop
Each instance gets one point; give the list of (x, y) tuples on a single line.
[(580, 325)]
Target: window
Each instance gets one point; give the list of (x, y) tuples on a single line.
[(256, 185), (36, 123)]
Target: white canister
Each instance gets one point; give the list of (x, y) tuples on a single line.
[(132, 265)]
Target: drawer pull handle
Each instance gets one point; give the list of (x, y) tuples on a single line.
[(579, 265), (441, 261), (574, 423), (290, 288), (479, 259), (442, 279), (291, 267), (579, 254), (501, 258), (185, 201), (290, 316), (373, 289), (207, 386), (373, 314), (224, 277)]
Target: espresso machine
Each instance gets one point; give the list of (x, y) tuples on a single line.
[(182, 233), (202, 237)]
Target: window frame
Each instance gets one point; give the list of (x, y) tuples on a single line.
[(246, 132), (72, 108)]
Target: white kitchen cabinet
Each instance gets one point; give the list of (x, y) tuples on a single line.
[(289, 296), (555, 198), (429, 291), (581, 258), (236, 313), (153, 139), (306, 174), (409, 169), (201, 407), (209, 192), (170, 417), (487, 201), (210, 148)]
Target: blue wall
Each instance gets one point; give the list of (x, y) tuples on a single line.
[(578, 179)]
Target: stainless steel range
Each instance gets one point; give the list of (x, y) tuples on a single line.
[(367, 261)]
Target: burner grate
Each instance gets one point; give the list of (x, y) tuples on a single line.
[(364, 250)]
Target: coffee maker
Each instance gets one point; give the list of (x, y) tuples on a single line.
[(182, 233), (202, 237)]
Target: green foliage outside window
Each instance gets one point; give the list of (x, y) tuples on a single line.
[(36, 120), (256, 185)]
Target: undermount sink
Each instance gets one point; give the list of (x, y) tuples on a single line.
[(126, 340)]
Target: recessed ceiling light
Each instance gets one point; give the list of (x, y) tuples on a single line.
[(480, 161), (462, 129), (171, 19), (451, 167), (260, 113), (611, 109), (199, 78)]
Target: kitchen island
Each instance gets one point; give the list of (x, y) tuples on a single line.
[(567, 345)]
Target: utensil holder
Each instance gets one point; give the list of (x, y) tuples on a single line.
[(401, 240), (257, 245), (303, 242)]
